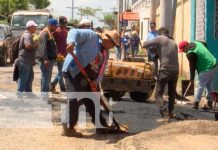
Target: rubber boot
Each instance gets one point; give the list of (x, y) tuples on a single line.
[(208, 106), (195, 105)]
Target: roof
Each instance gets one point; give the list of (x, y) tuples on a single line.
[(32, 12)]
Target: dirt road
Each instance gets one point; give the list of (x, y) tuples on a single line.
[(147, 130)]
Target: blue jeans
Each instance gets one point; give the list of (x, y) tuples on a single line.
[(153, 58), (26, 76), (46, 74), (205, 80), (135, 51), (59, 76), (118, 53)]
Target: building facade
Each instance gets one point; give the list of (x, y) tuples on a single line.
[(143, 8), (201, 25), (204, 24)]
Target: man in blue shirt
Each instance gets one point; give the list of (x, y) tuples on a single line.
[(85, 44), (150, 51), (125, 45)]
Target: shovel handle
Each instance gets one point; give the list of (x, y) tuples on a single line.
[(189, 85)]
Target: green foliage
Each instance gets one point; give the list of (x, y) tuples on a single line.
[(88, 11), (110, 19), (3, 22), (40, 4), (7, 7)]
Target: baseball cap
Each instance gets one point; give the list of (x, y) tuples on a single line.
[(31, 23), (63, 20), (53, 22), (182, 46)]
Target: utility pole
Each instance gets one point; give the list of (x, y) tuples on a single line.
[(120, 10), (152, 11), (166, 16), (72, 9), (81, 16)]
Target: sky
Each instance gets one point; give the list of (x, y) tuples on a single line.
[(59, 7)]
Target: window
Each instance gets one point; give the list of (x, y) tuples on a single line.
[(19, 21)]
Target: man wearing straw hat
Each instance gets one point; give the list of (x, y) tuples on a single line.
[(84, 47)]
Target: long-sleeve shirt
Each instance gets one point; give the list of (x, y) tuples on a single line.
[(168, 52)]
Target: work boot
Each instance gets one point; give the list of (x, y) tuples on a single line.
[(208, 106), (70, 132), (195, 105), (163, 111), (63, 90), (172, 115), (52, 89)]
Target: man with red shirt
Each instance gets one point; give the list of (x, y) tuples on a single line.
[(60, 36)]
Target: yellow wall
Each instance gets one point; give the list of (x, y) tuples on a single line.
[(181, 30)]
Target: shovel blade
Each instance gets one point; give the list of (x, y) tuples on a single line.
[(122, 128)]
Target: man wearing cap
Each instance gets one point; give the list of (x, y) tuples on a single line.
[(60, 36), (150, 36), (26, 58), (85, 44), (134, 44), (169, 68), (205, 63), (125, 45), (46, 55)]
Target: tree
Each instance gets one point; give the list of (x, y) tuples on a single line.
[(40, 4), (111, 20), (9, 6), (88, 11)]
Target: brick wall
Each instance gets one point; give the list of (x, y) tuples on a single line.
[(200, 20)]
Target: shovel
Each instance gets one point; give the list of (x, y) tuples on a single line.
[(183, 96), (122, 128), (119, 128)]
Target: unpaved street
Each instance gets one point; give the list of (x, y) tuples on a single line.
[(146, 129)]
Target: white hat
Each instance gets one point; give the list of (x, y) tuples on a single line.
[(31, 23), (84, 22), (126, 34), (134, 32)]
